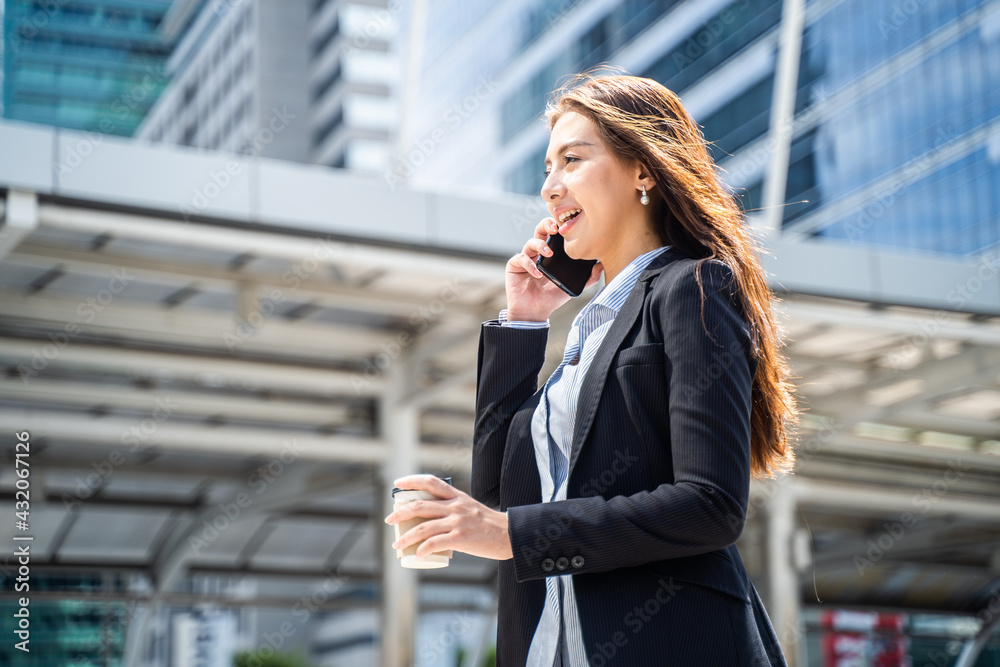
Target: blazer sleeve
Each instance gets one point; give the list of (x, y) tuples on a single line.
[(704, 509), (509, 361)]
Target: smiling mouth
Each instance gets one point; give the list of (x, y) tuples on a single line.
[(570, 219)]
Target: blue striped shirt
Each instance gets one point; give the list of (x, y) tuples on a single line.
[(558, 641)]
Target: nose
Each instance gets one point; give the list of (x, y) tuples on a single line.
[(552, 187)]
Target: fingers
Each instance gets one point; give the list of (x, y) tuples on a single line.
[(524, 262), (427, 530), (527, 262), (534, 247), (427, 482), (430, 545), (546, 228), (427, 509)]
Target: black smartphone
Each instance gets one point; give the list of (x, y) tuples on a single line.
[(571, 275)]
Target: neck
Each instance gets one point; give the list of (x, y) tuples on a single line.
[(615, 261)]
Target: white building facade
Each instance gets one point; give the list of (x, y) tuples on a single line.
[(299, 80)]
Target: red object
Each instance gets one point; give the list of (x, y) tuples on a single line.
[(864, 639)]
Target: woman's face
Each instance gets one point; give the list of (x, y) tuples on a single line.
[(583, 174)]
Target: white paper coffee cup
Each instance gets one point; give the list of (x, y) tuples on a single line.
[(408, 556)]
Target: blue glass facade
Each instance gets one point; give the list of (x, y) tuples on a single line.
[(598, 44), (94, 66), (897, 110), (80, 633), (896, 138), (742, 120), (711, 43)]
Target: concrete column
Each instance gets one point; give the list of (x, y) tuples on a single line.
[(246, 300), (399, 426), (18, 219), (782, 578), (414, 48)]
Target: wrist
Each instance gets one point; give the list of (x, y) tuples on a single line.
[(509, 548), (515, 315)]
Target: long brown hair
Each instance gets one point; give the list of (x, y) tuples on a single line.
[(643, 122)]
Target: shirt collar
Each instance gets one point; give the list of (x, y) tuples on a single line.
[(613, 294)]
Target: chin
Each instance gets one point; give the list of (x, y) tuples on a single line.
[(573, 250), (568, 248)]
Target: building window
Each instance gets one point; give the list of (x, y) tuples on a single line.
[(750, 198), (529, 176), (320, 44), (320, 89), (714, 42), (324, 131), (743, 119)]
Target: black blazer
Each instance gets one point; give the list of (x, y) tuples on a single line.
[(658, 481)]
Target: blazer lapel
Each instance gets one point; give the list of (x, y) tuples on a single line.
[(624, 322)]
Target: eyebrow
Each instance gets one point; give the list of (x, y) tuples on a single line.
[(569, 144)]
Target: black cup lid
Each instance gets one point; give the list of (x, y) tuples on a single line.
[(394, 489)]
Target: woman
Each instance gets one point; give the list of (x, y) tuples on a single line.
[(622, 483)]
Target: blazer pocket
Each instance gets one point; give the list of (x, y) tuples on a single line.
[(643, 374), (649, 353)]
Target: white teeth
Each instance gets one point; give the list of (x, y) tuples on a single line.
[(567, 214)]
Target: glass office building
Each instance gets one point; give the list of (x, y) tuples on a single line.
[(896, 132), (64, 632), (897, 126), (323, 71), (84, 65)]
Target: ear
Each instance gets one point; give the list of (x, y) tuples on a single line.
[(643, 177)]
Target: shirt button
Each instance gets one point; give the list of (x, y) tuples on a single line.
[(562, 563), (548, 564), (577, 561)]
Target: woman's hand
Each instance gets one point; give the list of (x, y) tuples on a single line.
[(455, 521), (530, 295)]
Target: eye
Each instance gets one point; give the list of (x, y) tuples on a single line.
[(567, 158)]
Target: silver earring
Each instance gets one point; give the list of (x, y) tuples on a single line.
[(644, 198)]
